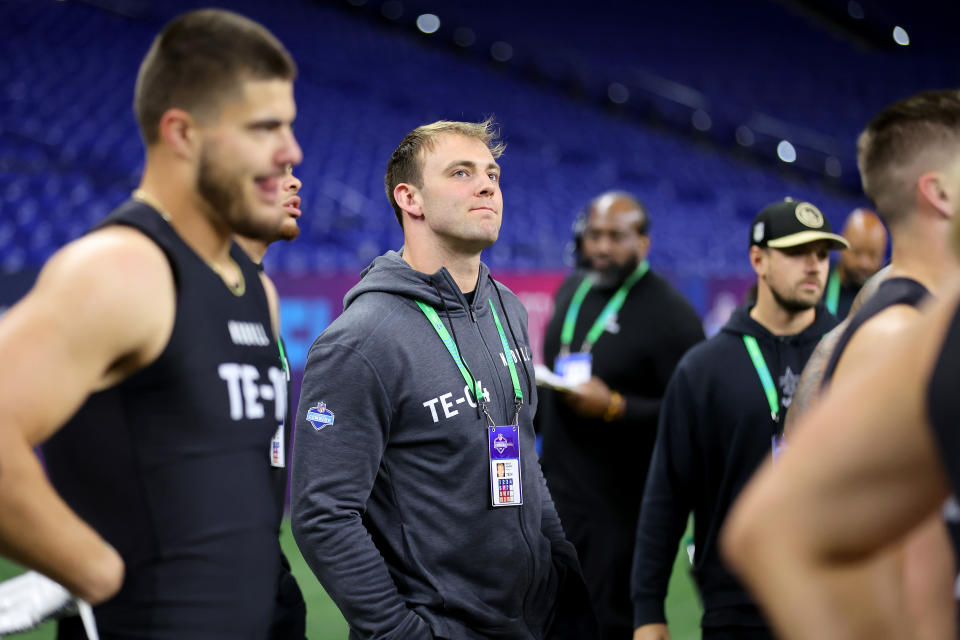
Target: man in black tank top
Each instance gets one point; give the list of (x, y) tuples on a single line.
[(290, 611), (910, 163), (142, 359)]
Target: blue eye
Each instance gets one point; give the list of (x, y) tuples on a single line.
[(495, 177)]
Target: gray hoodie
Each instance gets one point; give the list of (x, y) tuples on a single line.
[(391, 489)]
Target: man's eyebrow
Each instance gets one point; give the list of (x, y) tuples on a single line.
[(266, 123), (470, 165)]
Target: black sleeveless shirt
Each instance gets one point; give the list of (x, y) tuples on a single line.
[(944, 411), (891, 292), (170, 465), (944, 401)]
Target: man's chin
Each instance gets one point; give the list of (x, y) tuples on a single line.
[(289, 230), (611, 276)]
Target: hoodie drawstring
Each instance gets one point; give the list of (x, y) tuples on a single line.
[(526, 372), (453, 332)]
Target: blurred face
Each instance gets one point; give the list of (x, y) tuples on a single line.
[(612, 243), (795, 276), (865, 255), (460, 199), (244, 156), (290, 203)]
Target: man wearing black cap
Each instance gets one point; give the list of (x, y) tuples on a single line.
[(721, 417)]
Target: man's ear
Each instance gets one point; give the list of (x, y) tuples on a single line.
[(758, 259), (932, 189), (644, 246), (409, 199), (178, 130)]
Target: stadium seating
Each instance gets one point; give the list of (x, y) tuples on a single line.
[(70, 150)]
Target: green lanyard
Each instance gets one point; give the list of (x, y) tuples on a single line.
[(765, 378), (283, 358), (612, 307), (832, 296), (474, 385), (517, 392)]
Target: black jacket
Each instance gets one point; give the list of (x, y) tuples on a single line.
[(715, 430), (590, 465)]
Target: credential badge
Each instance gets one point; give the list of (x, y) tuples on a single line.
[(319, 416), (809, 215)]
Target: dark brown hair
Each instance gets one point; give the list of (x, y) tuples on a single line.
[(908, 138), (199, 59)]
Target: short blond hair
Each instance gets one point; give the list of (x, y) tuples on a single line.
[(406, 161)]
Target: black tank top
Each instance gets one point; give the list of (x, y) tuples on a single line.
[(944, 409), (945, 403), (170, 465), (891, 292)]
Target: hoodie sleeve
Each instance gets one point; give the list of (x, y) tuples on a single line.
[(666, 502), (334, 469)]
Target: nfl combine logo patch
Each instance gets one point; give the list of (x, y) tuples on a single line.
[(319, 416)]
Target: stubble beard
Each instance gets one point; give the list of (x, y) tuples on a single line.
[(792, 305), (225, 195), (614, 275)]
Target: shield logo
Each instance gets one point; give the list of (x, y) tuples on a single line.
[(319, 416)]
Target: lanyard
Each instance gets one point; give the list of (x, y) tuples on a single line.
[(832, 296), (765, 379), (612, 307), (283, 358), (474, 385)]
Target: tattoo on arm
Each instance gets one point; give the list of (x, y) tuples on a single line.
[(808, 388)]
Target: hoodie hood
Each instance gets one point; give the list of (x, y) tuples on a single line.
[(740, 323), (390, 273)]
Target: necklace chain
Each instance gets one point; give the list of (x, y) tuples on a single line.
[(237, 288)]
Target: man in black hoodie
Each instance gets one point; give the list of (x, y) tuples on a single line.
[(598, 436), (721, 417), (410, 401)]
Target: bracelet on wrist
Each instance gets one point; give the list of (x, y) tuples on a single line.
[(615, 408)]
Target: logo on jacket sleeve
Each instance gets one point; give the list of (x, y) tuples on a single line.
[(319, 416)]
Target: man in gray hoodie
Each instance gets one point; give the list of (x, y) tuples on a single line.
[(410, 402)]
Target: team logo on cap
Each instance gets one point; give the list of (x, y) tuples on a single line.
[(319, 416), (809, 215), (758, 232)]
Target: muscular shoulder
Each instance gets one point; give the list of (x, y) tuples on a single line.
[(117, 273), (873, 336), (111, 294)]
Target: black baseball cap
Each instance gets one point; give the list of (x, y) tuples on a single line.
[(790, 223)]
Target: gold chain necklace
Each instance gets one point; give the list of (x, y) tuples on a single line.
[(237, 288)]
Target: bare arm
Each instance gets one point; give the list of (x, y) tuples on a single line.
[(806, 530), (808, 388), (656, 631), (102, 308)]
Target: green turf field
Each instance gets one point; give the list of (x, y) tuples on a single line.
[(324, 621)]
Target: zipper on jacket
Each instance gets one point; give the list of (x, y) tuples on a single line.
[(531, 556)]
